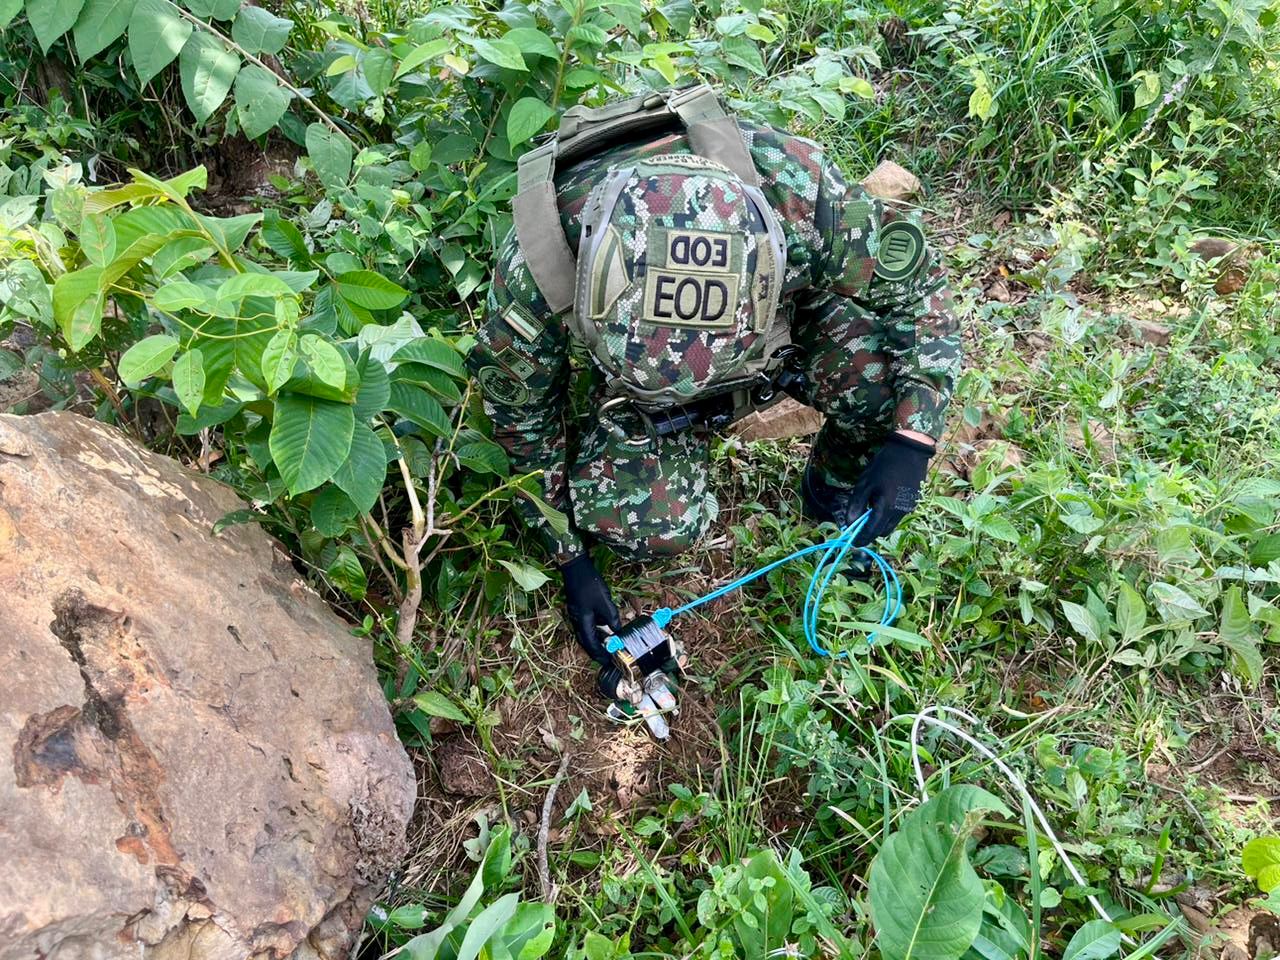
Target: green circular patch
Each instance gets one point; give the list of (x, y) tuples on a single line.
[(902, 250), (502, 386)]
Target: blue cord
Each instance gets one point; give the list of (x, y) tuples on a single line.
[(833, 554)]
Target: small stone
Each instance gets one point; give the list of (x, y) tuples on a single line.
[(889, 181), (999, 290), (1213, 248), (1156, 334)]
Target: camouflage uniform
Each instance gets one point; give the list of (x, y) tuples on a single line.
[(868, 304)]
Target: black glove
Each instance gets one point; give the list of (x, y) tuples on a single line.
[(589, 606), (889, 486)]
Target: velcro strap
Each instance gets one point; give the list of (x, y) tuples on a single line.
[(721, 141)]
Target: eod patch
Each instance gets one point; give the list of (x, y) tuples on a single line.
[(502, 386), (902, 250), (697, 283)]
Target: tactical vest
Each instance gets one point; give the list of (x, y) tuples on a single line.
[(702, 318)]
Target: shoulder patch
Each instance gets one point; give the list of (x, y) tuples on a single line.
[(502, 386), (901, 250), (520, 319)]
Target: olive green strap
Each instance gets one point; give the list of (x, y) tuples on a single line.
[(537, 219)]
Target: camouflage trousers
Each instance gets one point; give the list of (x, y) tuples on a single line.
[(655, 499)]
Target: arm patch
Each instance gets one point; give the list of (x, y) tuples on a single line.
[(901, 252)]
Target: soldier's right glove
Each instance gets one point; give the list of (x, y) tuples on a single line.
[(889, 486), (589, 606)]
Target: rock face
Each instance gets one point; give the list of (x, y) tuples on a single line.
[(196, 761)]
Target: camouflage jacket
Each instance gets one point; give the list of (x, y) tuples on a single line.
[(832, 231)]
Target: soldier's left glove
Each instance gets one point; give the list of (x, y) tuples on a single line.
[(589, 606), (889, 487)]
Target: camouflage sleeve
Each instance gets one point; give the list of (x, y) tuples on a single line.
[(521, 364), (880, 259)]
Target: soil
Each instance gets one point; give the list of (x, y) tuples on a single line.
[(620, 767)]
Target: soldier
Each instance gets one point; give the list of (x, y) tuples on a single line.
[(702, 264)]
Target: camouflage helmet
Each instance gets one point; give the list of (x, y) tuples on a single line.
[(679, 272)]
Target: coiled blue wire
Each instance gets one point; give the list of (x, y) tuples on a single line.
[(833, 554)]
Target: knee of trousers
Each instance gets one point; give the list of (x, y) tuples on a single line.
[(642, 501)]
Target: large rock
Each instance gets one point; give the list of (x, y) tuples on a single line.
[(196, 761)]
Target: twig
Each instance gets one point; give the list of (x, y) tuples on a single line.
[(549, 891)]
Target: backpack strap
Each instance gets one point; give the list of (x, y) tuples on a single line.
[(584, 131), (537, 217)]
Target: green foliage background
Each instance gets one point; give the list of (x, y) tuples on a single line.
[(1104, 564)]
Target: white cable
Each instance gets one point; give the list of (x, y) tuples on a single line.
[(1010, 774)]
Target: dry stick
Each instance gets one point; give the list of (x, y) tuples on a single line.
[(549, 892)]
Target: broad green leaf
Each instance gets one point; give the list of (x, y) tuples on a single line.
[(279, 357), (1261, 861), (363, 473), (330, 154), (98, 239), (436, 704), (1095, 940), (1146, 88), (8, 10), (743, 52), (527, 118), (1131, 612), (217, 9), (156, 35), (862, 88), (85, 322), (556, 519), (284, 238), (325, 360), (100, 24), (433, 353), (409, 916), (260, 100), (1083, 621), (182, 295), (379, 68), (528, 577), (421, 408), (230, 231), (331, 512), (375, 388), (310, 439), (1236, 633), (146, 357), (421, 54), (491, 919), (1174, 603), (426, 946), (484, 456), (347, 573), (189, 379), (208, 70), (444, 387), (530, 40), (529, 934), (764, 926), (260, 31), (236, 288), (370, 290), (73, 289), (926, 900), (50, 19), (502, 53)]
